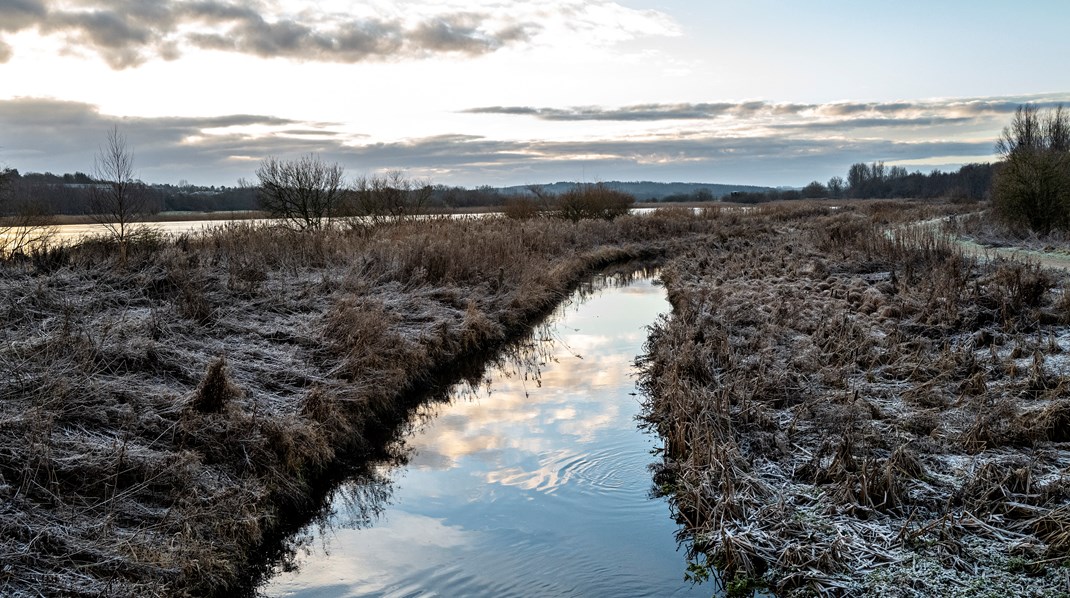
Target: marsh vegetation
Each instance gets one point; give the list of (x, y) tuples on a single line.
[(849, 403), (851, 406), (163, 413)]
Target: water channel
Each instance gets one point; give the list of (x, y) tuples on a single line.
[(533, 482)]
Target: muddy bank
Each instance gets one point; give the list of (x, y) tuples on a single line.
[(853, 413), (161, 418)]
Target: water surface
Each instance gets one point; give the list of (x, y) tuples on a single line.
[(534, 483)]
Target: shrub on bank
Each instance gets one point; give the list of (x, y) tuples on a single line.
[(596, 201), (1032, 186)]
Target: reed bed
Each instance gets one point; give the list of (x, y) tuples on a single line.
[(853, 407), (163, 416)]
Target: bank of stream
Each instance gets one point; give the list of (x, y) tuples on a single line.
[(532, 481)]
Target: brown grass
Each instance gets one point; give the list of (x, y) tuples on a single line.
[(839, 393), (135, 460)]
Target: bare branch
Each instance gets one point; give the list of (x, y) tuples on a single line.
[(119, 200), (307, 193)]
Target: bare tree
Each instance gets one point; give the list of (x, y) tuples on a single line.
[(815, 190), (307, 193), (391, 197), (119, 201), (1032, 185), (836, 187)]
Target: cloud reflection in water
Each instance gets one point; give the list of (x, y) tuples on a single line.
[(532, 483)]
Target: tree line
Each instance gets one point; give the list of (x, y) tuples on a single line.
[(876, 180), (72, 194)]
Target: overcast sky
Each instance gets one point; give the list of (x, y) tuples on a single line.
[(500, 92)]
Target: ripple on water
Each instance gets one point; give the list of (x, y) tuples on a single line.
[(532, 490)]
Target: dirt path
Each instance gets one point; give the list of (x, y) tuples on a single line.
[(1058, 260), (1047, 259)]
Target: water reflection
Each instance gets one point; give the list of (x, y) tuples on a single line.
[(531, 480)]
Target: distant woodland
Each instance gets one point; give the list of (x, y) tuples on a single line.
[(972, 182), (72, 193)]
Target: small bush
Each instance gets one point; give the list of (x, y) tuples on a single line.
[(592, 202), (520, 208)]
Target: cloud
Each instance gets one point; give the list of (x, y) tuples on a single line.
[(63, 136), (873, 123), (647, 112), (42, 134), (19, 14), (833, 114), (642, 112), (127, 33), (765, 120)]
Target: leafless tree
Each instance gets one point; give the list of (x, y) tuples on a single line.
[(1032, 185), (119, 201), (592, 201), (836, 187), (391, 197), (307, 193)]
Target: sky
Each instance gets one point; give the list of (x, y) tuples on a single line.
[(513, 92)]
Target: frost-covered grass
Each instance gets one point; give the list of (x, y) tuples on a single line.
[(851, 412), (162, 416)]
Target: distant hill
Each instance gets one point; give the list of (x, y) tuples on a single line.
[(649, 190)]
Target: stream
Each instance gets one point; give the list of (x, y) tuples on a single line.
[(533, 481)]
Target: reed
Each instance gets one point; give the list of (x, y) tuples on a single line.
[(838, 395), (163, 416)]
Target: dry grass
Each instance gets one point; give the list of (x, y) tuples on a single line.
[(162, 418), (850, 406)]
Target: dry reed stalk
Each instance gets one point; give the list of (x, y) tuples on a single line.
[(131, 464), (841, 362)]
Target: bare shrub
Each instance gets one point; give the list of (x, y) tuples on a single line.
[(1032, 184), (307, 193), (25, 227), (597, 201), (390, 198), (521, 208)]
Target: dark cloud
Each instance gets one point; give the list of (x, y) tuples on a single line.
[(873, 123), (834, 115), (19, 14), (127, 33), (852, 108), (512, 110), (63, 136), (353, 42), (641, 112), (646, 112), (461, 33)]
